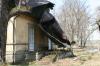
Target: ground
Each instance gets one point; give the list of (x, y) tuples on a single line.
[(84, 57)]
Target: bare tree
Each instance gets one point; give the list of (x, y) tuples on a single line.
[(75, 20)]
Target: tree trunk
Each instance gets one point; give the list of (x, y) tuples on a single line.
[(81, 41), (4, 13)]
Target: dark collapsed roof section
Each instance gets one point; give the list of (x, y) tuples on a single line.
[(47, 22), (50, 25)]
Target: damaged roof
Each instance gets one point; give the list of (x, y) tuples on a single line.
[(47, 22), (46, 4), (32, 7)]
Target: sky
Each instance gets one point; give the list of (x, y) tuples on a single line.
[(93, 4)]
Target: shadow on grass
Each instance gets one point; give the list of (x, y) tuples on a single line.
[(18, 64)]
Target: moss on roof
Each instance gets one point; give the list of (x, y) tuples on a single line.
[(20, 8)]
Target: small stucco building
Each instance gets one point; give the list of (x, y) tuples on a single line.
[(30, 30), (23, 35)]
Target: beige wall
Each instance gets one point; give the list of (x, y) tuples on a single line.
[(17, 37), (21, 29)]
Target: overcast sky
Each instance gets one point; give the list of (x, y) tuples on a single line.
[(93, 4)]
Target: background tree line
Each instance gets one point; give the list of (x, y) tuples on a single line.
[(76, 20)]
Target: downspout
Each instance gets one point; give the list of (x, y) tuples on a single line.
[(14, 17), (13, 41)]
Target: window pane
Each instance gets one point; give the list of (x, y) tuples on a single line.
[(31, 38)]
